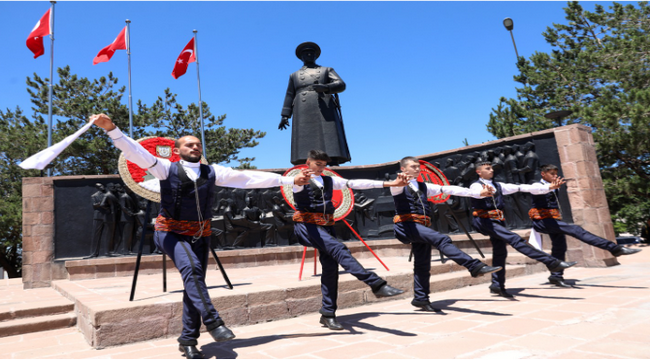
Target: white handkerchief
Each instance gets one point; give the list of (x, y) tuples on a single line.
[(41, 159), (535, 239)]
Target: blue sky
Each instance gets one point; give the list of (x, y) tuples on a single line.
[(421, 76)]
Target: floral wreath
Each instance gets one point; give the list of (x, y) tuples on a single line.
[(343, 200), (433, 175), (139, 180)]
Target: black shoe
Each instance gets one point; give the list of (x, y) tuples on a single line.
[(221, 333), (190, 352), (622, 250), (501, 292), (561, 265), (331, 323), (485, 269), (425, 306), (558, 281), (386, 291)]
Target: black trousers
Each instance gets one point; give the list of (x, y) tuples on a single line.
[(500, 237), (191, 260), (557, 230), (333, 253), (422, 239)]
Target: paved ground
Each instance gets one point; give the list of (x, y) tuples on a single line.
[(606, 315)]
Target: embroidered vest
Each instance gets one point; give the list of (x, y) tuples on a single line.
[(314, 199), (177, 194)]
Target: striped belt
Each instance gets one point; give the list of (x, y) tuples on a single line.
[(417, 218), (489, 214), (541, 214), (182, 227), (313, 218)]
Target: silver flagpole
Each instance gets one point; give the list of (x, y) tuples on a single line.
[(49, 107), (198, 78), (128, 53)]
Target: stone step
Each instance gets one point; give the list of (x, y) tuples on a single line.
[(260, 294), (36, 324), (83, 269), (35, 308)]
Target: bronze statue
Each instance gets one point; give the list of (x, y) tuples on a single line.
[(312, 99), (127, 220), (105, 204)]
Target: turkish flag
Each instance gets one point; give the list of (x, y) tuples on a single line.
[(106, 53), (184, 59), (35, 38)]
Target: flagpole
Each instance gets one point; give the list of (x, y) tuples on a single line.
[(128, 53), (198, 79), (49, 107)]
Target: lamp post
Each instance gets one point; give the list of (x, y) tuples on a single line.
[(509, 24), (558, 116)]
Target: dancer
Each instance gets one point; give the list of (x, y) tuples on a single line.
[(547, 219)]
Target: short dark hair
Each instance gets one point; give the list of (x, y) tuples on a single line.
[(406, 159), (480, 163), (548, 167), (318, 155)]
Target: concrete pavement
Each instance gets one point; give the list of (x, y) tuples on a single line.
[(606, 315)]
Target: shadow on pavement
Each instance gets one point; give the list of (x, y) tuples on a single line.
[(446, 305), (226, 350)]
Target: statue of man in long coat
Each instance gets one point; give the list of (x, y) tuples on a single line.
[(312, 100)]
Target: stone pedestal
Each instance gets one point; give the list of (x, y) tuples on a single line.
[(586, 194)]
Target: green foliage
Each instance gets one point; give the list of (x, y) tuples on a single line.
[(598, 69), (15, 146), (168, 118), (74, 100)]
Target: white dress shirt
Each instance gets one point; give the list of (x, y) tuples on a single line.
[(225, 176), (433, 190), (507, 189), (339, 183)]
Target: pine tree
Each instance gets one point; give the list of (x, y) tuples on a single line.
[(74, 100), (598, 69)]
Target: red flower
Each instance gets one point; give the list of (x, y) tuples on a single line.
[(138, 173)]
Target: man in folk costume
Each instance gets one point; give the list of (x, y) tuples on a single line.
[(412, 226), (489, 221), (547, 219), (183, 225), (314, 227)]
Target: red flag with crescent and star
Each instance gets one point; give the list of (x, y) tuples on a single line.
[(184, 59), (35, 38), (106, 53)]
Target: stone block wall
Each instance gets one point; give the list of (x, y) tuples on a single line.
[(586, 194)]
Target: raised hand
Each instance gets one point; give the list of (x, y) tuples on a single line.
[(559, 181), (401, 180), (487, 191), (103, 121)]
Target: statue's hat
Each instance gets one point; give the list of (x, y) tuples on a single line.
[(308, 45)]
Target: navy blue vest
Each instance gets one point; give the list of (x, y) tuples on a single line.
[(545, 201), (177, 198), (312, 199), (487, 203), (407, 202)]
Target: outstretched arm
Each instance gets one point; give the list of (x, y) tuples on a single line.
[(474, 192), (363, 184), (131, 149), (250, 179), (535, 189)]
